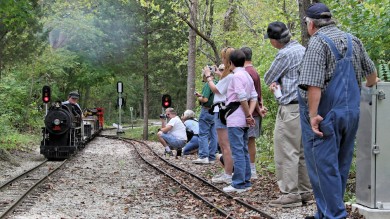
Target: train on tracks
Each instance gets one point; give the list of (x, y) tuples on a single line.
[(67, 131)]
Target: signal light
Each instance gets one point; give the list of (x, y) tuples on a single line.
[(166, 101), (46, 94)]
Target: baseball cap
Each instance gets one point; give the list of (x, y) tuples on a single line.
[(277, 30), (318, 11), (74, 95)]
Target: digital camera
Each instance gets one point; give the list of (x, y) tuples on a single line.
[(163, 116), (212, 68)]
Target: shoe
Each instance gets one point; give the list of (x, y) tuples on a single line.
[(211, 161), (310, 217), (178, 152), (253, 174), (168, 153), (287, 201), (201, 161), (232, 189), (307, 198), (223, 178)]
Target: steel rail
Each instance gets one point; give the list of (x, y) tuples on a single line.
[(222, 212), (20, 199), (262, 213), (22, 174)]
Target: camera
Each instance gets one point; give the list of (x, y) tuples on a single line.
[(163, 116), (212, 68)]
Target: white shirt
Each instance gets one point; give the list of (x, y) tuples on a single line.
[(178, 129), (222, 87)]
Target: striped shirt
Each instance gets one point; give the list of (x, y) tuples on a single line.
[(318, 64), (284, 71)]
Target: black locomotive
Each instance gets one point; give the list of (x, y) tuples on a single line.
[(67, 130)]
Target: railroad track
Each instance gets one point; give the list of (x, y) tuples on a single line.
[(225, 204), (16, 190)]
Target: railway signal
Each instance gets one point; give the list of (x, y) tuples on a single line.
[(46, 94), (166, 101)]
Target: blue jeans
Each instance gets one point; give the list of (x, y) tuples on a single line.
[(207, 135), (193, 144), (173, 142), (238, 138)]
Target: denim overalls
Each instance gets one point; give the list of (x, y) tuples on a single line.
[(329, 158)]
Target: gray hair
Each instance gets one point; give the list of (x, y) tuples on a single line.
[(188, 114), (286, 39), (321, 22), (171, 110)]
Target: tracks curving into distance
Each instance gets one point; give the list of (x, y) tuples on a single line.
[(221, 202), (16, 190)]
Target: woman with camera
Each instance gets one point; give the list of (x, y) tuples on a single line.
[(220, 91)]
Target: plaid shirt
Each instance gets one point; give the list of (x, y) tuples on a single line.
[(318, 64), (284, 70)]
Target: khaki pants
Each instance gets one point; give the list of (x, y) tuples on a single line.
[(291, 172)]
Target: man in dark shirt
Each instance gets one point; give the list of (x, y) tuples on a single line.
[(207, 130), (254, 132)]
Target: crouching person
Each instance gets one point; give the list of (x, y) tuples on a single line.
[(192, 126), (172, 135)]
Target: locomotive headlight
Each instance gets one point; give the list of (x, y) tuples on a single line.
[(57, 122)]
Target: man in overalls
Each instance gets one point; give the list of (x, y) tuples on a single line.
[(329, 96)]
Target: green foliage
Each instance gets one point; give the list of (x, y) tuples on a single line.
[(368, 20)]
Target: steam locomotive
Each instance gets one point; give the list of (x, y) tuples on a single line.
[(66, 130)]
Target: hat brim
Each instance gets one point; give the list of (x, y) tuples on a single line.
[(74, 97)]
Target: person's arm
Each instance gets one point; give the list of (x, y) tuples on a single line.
[(276, 70), (372, 79), (201, 98), (313, 98), (166, 128), (210, 80)]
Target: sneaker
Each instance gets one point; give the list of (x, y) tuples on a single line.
[(307, 198), (223, 178), (310, 217), (211, 161), (201, 161), (178, 152), (232, 189), (287, 201), (168, 153), (253, 174)]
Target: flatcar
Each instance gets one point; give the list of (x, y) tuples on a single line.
[(66, 131)]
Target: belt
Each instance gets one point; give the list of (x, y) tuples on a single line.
[(196, 135), (293, 102), (206, 107)]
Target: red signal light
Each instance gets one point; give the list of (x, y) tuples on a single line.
[(166, 101), (46, 94)]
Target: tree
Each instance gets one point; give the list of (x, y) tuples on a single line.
[(19, 24)]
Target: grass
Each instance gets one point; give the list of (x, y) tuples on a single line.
[(18, 141)]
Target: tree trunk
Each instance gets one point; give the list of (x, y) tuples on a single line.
[(192, 57), (303, 5), (146, 78)]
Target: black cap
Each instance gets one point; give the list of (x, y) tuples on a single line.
[(277, 30), (318, 11), (74, 95)]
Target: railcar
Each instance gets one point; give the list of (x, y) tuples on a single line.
[(66, 131)]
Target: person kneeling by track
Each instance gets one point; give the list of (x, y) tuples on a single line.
[(192, 130), (172, 135)]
